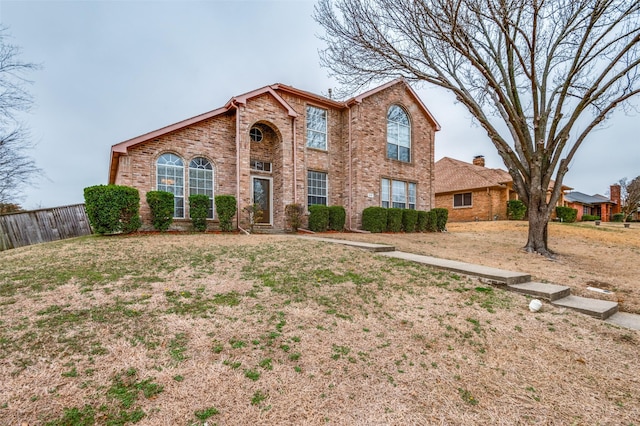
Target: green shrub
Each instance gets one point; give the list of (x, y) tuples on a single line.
[(198, 210), (566, 214), (442, 215), (432, 221), (161, 206), (374, 219), (318, 217), (618, 217), (409, 220), (226, 208), (516, 210), (337, 218), (421, 221), (589, 217), (112, 208), (394, 219), (294, 214)]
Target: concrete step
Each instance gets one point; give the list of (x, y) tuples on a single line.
[(602, 309), (376, 248), (495, 275), (625, 319), (545, 291)]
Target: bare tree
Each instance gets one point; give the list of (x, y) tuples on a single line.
[(537, 75), (17, 168), (629, 196)]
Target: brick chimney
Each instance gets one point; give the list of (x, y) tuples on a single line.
[(478, 160), (614, 195)]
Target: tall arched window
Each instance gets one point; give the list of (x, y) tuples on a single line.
[(201, 180), (398, 134), (170, 178)]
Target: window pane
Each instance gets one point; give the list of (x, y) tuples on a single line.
[(398, 192), (316, 128), (412, 195), (170, 178), (316, 188), (384, 193), (398, 134), (201, 180)]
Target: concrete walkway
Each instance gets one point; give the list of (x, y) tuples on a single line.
[(515, 281)]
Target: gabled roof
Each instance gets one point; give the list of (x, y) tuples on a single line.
[(582, 198), (416, 98), (274, 90), (454, 175)]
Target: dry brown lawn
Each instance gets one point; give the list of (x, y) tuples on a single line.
[(234, 330)]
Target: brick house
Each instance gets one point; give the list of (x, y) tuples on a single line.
[(595, 205), (279, 145), (471, 191)]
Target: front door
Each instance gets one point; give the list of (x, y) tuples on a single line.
[(262, 197)]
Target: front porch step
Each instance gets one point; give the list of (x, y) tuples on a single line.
[(545, 291), (602, 309)]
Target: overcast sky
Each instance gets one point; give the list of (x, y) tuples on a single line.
[(113, 70)]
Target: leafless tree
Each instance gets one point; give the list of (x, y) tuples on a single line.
[(537, 75), (17, 168), (629, 196)]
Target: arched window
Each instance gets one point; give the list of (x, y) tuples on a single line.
[(398, 134), (170, 178), (201, 180)]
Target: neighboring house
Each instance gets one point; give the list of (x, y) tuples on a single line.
[(279, 145), (594, 205), (471, 191)]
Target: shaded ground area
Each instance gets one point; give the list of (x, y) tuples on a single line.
[(188, 329)]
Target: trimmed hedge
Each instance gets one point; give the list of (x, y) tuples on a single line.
[(394, 220), (161, 205), (112, 208), (589, 217), (421, 222), (374, 219), (618, 217), (318, 217), (409, 220), (516, 210), (337, 218), (442, 216), (226, 207), (432, 221), (198, 210), (566, 214), (294, 214)]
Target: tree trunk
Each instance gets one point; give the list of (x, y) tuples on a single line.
[(538, 228)]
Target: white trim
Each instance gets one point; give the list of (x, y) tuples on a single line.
[(270, 179)]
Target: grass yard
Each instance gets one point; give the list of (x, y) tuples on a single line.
[(234, 330)]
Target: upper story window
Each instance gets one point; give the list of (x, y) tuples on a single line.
[(170, 178), (255, 134), (462, 200), (398, 134), (201, 180), (316, 128)]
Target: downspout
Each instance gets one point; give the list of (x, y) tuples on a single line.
[(233, 103), (295, 161), (349, 198)]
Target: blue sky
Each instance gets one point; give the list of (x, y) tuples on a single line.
[(112, 70)]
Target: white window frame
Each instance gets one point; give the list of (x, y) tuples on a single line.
[(316, 188), (172, 182), (407, 197), (395, 129), (313, 133), (201, 184)]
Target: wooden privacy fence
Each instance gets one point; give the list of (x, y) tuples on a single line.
[(41, 226)]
